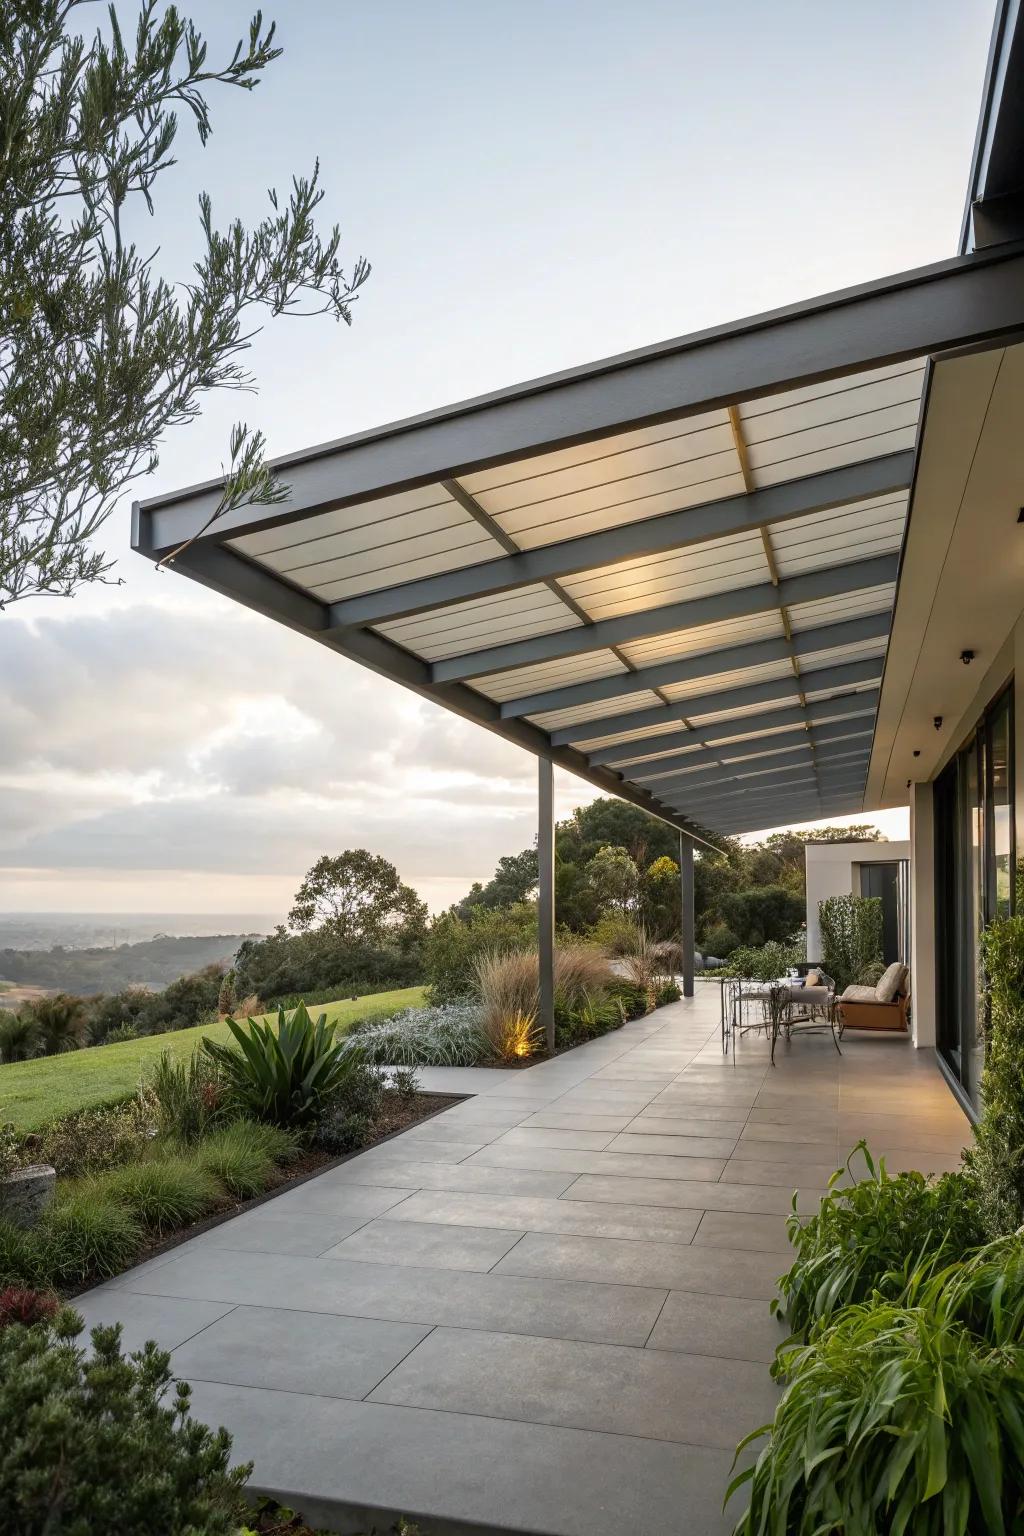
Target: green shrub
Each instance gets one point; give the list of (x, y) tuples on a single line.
[(321, 965), (632, 1000), (92, 1445), (764, 964), (851, 936), (10, 1150), (85, 1236), (20, 1039), (283, 1072), (867, 1237), (903, 1416), (239, 1157), (162, 1192), (21, 1256), (763, 914), (122, 1033), (719, 941), (189, 1096), (113, 1012), (996, 1160), (448, 1035), (60, 1023), (454, 944), (92, 1139), (669, 993)]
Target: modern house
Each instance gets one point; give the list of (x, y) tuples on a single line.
[(756, 576), (861, 868)]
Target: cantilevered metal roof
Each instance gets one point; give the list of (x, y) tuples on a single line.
[(672, 572)]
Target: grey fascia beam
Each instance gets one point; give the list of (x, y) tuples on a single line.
[(708, 664), (740, 602), (842, 731), (783, 690), (962, 301), (869, 479), (224, 571), (717, 738)]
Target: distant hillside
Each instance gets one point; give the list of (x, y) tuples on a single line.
[(153, 963)]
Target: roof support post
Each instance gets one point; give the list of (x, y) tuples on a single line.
[(686, 909), (546, 898)]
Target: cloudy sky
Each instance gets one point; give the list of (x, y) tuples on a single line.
[(537, 184)]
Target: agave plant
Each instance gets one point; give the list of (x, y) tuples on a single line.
[(283, 1072)]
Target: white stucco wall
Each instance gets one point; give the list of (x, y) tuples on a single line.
[(832, 871)]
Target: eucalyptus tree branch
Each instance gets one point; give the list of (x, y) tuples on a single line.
[(100, 353)]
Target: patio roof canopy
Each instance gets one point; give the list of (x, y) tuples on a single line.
[(671, 572)]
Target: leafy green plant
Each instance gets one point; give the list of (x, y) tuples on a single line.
[(60, 1022), (867, 1236), (10, 1150), (448, 1035), (74, 1426), (20, 1039), (851, 936), (163, 1192), (242, 1157), (21, 1257), (903, 1416), (86, 1235), (283, 1072), (765, 963), (92, 1139), (189, 1095), (996, 1160), (719, 941), (120, 1033)]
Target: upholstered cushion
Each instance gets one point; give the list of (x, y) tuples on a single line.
[(813, 977), (855, 994), (891, 983), (811, 997)]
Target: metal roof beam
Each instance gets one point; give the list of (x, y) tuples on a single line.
[(782, 690), (756, 772), (753, 764), (740, 602), (752, 752), (871, 478), (954, 303), (687, 669), (220, 569), (696, 803), (862, 703)]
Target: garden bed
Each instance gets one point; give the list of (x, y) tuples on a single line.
[(308, 1165)]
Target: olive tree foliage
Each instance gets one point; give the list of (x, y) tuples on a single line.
[(101, 353), (360, 897)]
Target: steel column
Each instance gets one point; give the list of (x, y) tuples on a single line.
[(546, 897), (686, 905)]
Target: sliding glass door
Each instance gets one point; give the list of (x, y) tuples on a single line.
[(974, 862)]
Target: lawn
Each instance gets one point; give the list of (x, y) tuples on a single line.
[(34, 1092)]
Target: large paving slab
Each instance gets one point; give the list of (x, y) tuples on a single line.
[(546, 1309)]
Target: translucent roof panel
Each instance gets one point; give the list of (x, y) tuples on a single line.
[(482, 621), (555, 719), (681, 643), (612, 481), (736, 679), (721, 565), (839, 534), (550, 674), (822, 426), (358, 549)]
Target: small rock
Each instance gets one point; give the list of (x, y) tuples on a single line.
[(26, 1193)]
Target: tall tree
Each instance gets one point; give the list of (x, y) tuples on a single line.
[(360, 897), (99, 353)]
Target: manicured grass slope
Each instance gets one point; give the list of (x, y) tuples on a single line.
[(35, 1092)]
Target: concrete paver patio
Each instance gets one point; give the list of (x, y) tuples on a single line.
[(546, 1309)]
